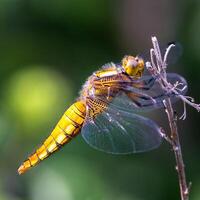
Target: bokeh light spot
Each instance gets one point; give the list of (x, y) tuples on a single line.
[(49, 185), (34, 96)]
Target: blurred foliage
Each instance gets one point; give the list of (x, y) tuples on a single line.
[(48, 49)]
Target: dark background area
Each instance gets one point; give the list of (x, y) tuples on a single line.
[(47, 50)]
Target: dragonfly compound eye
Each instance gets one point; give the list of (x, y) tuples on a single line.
[(133, 66)]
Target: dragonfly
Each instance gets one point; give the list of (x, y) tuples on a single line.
[(108, 112)]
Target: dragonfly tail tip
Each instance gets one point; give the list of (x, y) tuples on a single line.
[(21, 169)]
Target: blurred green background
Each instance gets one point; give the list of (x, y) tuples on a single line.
[(47, 50)]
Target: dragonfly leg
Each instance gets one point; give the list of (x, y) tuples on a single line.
[(145, 84), (141, 100), (149, 84), (144, 100)]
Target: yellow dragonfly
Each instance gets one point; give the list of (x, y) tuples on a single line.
[(107, 112)]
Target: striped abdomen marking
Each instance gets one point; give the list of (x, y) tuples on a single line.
[(67, 128)]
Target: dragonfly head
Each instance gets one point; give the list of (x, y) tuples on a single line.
[(133, 66)]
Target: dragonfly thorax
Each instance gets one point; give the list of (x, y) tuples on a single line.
[(133, 66)]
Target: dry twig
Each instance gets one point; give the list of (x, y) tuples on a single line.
[(157, 67)]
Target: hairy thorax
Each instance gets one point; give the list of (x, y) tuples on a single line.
[(100, 89)]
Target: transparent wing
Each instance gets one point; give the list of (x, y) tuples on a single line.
[(118, 129), (118, 132), (144, 94)]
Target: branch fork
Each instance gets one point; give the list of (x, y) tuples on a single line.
[(157, 68)]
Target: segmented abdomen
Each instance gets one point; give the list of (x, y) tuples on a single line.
[(68, 127)]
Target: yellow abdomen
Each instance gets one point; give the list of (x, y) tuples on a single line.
[(67, 128)]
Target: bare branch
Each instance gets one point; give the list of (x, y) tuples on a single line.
[(157, 67)]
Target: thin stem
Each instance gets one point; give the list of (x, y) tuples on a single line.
[(177, 150), (157, 68)]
